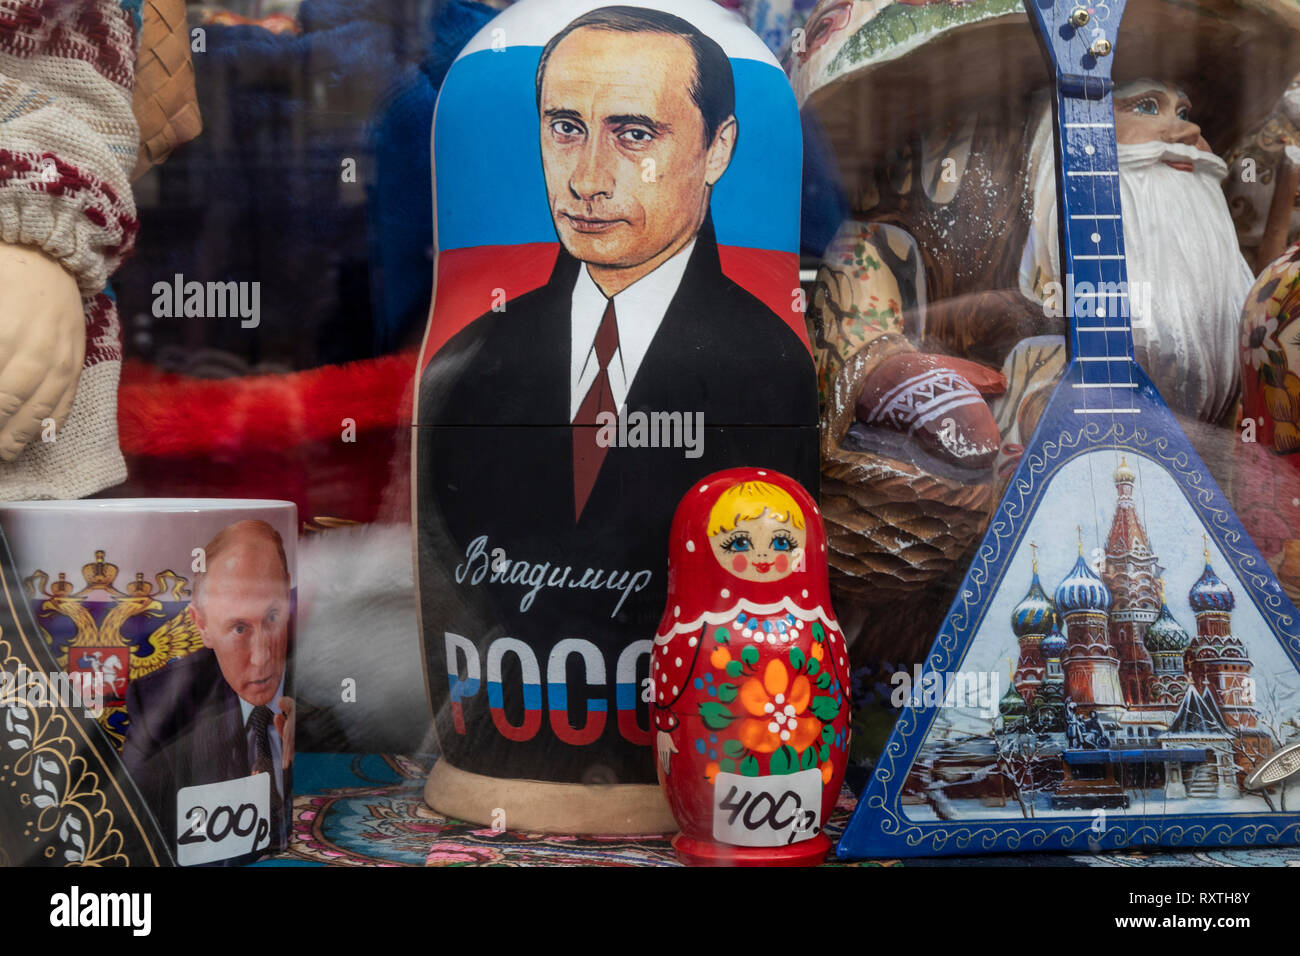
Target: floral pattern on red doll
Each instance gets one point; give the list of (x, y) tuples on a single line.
[(765, 704)]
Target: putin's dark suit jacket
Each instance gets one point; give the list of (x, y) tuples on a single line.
[(495, 458), (186, 729)]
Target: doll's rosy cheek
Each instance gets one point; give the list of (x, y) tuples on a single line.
[(782, 563), (739, 564)]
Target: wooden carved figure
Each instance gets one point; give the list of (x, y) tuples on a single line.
[(749, 673)]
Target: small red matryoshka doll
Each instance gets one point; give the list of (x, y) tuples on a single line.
[(750, 695)]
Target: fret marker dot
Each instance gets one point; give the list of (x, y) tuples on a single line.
[(1101, 313), (1096, 237), (1090, 149)]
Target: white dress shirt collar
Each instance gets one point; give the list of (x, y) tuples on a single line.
[(639, 310)]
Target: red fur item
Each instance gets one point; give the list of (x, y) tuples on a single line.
[(274, 436)]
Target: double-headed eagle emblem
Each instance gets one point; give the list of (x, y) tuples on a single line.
[(101, 613)]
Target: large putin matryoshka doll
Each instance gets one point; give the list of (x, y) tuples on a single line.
[(616, 315), (750, 677)]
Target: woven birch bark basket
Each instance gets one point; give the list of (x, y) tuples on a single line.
[(165, 102), (892, 528)]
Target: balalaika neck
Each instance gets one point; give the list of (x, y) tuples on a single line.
[(1095, 278)]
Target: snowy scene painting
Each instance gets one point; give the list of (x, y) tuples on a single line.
[(1136, 673)]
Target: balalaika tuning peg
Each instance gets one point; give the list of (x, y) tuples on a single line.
[(1100, 47), (1079, 17)]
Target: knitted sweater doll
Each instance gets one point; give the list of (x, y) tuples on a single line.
[(68, 142)]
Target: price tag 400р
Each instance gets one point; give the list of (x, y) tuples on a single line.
[(767, 811)]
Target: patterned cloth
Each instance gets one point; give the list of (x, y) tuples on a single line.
[(369, 810), (68, 141)]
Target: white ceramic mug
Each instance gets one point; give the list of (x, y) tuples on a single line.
[(111, 585)]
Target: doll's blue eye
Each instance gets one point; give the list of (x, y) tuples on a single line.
[(782, 543), (739, 543)]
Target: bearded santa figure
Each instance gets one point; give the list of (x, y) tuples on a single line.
[(993, 300), (981, 254), (1187, 277)]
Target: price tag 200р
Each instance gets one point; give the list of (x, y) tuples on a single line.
[(217, 821), (767, 811)]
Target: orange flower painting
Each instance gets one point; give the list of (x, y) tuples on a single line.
[(778, 711)]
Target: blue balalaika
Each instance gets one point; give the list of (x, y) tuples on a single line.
[(1123, 725)]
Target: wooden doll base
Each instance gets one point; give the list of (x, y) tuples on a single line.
[(539, 806), (695, 852)]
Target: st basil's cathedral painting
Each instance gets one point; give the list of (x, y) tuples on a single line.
[(1135, 673)]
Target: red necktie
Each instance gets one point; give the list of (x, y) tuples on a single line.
[(587, 454)]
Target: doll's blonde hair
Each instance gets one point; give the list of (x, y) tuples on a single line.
[(748, 500)]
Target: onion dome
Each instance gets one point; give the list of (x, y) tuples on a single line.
[(1124, 474), (1209, 593), (1033, 615), (1165, 634), (1082, 590), (1054, 644), (1012, 704)]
